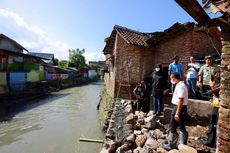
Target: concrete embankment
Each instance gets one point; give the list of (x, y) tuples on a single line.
[(130, 131), (37, 91)]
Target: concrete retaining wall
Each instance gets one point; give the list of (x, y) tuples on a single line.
[(199, 108)]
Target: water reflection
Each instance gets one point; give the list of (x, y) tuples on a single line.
[(54, 124), (13, 135)]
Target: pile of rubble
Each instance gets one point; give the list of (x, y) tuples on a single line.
[(136, 132)]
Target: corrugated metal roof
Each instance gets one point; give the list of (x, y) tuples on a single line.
[(48, 56), (13, 41)]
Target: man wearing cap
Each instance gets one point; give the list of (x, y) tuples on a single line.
[(175, 67), (206, 74)]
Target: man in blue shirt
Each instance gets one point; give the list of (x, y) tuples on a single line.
[(175, 67)]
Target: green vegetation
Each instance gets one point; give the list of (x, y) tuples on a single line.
[(106, 105), (56, 61), (76, 58), (63, 64), (96, 68)]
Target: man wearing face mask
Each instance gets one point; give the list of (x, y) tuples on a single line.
[(179, 101), (158, 84)]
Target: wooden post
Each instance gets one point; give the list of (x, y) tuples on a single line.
[(0, 62), (7, 63), (91, 140)]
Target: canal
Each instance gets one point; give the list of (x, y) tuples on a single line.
[(54, 124)]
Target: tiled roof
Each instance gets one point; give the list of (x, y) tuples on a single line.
[(173, 31), (132, 36), (145, 39)]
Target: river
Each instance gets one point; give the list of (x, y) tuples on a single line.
[(54, 124)]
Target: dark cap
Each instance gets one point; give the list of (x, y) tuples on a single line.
[(216, 70), (176, 56), (158, 65), (208, 57)]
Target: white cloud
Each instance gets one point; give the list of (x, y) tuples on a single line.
[(35, 38), (94, 56), (21, 22)]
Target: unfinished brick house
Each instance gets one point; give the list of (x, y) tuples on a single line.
[(132, 55)]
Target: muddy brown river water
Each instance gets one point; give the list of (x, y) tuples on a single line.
[(54, 124)]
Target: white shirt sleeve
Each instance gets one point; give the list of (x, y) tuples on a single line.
[(197, 65), (181, 92)]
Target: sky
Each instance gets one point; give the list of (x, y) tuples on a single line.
[(54, 26)]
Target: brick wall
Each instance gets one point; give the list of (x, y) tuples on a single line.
[(185, 45), (109, 77), (223, 134), (204, 44), (143, 59), (141, 64), (179, 45)]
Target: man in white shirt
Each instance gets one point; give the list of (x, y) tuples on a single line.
[(179, 101), (192, 75)]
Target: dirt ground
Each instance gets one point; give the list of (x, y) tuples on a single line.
[(197, 127)]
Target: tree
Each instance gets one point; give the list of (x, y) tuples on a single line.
[(56, 61), (63, 64), (76, 58), (95, 67)]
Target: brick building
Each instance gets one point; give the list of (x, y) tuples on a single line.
[(132, 55)]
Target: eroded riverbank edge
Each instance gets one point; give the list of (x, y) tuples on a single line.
[(128, 131), (9, 100)]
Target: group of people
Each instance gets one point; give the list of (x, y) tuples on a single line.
[(201, 82)]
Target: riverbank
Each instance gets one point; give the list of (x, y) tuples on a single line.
[(131, 131), (40, 90), (105, 108)]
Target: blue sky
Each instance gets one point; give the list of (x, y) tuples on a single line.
[(56, 25)]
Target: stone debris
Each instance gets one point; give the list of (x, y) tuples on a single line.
[(131, 138), (186, 149), (144, 130), (109, 146), (151, 144), (136, 132), (140, 140), (130, 119), (174, 151), (138, 150), (183, 149), (161, 150)]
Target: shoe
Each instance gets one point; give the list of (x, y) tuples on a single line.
[(172, 140), (204, 141), (183, 138), (158, 114), (155, 112)]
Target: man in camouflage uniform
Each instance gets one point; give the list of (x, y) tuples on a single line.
[(206, 74)]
